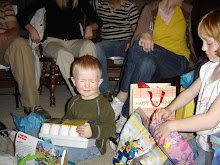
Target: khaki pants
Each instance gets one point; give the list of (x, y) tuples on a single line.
[(16, 53), (64, 52)]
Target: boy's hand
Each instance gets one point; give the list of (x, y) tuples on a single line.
[(163, 130), (84, 130), (161, 112)]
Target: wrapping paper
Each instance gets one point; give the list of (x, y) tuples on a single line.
[(175, 147), (135, 141)]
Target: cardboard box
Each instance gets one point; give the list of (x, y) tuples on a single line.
[(62, 132)]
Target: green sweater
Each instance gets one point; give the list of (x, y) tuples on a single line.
[(98, 110)]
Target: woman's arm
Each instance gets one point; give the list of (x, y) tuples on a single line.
[(143, 23), (23, 15), (90, 13)]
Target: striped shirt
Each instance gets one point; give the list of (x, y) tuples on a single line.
[(116, 22), (6, 15)]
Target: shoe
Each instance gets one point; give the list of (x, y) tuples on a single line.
[(117, 106), (120, 124), (2, 128), (39, 110), (108, 96)]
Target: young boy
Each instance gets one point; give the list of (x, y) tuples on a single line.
[(89, 105)]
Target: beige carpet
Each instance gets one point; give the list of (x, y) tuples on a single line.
[(62, 94)]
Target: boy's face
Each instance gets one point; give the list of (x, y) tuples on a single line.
[(210, 45), (87, 82)]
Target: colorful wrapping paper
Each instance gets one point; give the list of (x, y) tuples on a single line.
[(215, 140), (175, 147), (136, 141)]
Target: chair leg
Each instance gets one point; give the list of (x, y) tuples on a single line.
[(16, 95), (52, 84), (43, 72)]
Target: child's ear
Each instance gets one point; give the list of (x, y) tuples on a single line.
[(73, 80), (100, 81)]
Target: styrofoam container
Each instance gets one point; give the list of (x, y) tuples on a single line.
[(64, 135)]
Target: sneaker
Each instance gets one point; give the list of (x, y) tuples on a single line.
[(2, 128), (39, 110), (120, 123), (108, 96), (117, 107)]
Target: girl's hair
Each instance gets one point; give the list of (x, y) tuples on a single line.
[(63, 4), (209, 24), (87, 62)]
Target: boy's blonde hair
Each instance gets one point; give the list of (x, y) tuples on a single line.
[(209, 24), (63, 4), (87, 62)]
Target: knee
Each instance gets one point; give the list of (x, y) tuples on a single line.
[(88, 48), (20, 42), (146, 64)]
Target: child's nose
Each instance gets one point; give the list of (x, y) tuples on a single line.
[(204, 47), (87, 84)]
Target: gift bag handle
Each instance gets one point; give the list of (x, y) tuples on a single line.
[(143, 85)]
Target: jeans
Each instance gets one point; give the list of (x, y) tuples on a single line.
[(74, 154), (201, 157), (81, 154), (105, 49), (148, 66)]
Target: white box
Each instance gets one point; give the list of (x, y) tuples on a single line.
[(63, 133)]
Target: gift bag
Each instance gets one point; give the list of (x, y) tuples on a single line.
[(151, 96), (188, 110), (135, 140), (175, 147)]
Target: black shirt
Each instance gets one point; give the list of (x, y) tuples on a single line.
[(61, 23)]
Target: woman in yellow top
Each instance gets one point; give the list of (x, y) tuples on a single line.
[(159, 50)]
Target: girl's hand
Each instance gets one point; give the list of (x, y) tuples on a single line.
[(163, 130), (88, 32), (34, 36), (84, 130), (161, 113), (146, 42)]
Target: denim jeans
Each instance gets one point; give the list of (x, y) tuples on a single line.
[(74, 154), (81, 154), (105, 49), (147, 66), (201, 157)]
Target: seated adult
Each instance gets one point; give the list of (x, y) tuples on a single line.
[(159, 50), (119, 22), (62, 38), (16, 53)]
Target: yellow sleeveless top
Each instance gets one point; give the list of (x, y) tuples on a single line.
[(172, 36)]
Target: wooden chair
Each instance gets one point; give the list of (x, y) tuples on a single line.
[(7, 81), (50, 76)]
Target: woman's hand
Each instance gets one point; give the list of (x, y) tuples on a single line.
[(84, 130), (146, 42), (163, 130), (128, 46), (88, 32), (35, 37), (161, 113)]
